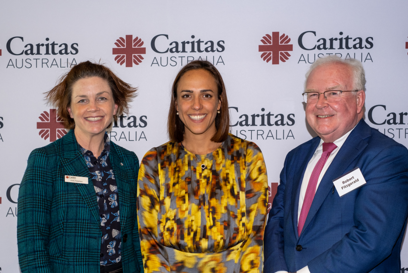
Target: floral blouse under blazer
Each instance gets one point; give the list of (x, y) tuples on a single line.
[(203, 213)]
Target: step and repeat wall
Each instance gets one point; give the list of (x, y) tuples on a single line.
[(262, 49)]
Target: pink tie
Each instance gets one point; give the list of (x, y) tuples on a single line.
[(311, 187)]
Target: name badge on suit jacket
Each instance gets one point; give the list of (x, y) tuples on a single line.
[(349, 182), (76, 179)]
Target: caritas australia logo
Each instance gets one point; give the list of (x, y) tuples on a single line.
[(51, 126), (275, 48), (129, 50), (311, 45), (40, 53), (166, 51), (11, 198)]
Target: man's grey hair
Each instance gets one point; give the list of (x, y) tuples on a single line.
[(356, 67)]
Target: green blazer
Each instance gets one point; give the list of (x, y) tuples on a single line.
[(58, 226)]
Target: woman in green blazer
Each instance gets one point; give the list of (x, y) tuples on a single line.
[(77, 200)]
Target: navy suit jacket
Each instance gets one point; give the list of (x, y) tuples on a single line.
[(361, 231), (58, 226)]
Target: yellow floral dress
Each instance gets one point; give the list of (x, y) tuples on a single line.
[(203, 213)]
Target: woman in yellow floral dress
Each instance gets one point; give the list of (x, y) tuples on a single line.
[(202, 197)]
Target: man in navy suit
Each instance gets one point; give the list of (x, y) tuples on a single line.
[(342, 202)]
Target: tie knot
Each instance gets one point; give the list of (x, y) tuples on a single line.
[(329, 147)]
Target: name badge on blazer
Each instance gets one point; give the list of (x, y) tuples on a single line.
[(349, 182), (76, 179)]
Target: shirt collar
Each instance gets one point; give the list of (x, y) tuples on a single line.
[(106, 148), (339, 142)]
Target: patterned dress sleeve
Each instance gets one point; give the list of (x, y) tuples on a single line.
[(148, 207), (256, 193)]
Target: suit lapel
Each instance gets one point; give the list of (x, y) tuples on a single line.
[(305, 157), (353, 146), (73, 163), (118, 164)]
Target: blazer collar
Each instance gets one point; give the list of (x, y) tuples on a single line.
[(120, 166), (73, 163), (351, 149)]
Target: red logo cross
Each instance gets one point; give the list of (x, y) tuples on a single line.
[(129, 50), (275, 48), (406, 47), (273, 189), (51, 125)]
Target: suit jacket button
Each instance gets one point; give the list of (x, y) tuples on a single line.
[(299, 248), (125, 238)]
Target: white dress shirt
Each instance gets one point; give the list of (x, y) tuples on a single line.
[(312, 163), (309, 169)]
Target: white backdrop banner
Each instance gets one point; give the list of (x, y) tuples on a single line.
[(262, 49)]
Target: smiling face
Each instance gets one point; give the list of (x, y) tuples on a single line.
[(92, 107), (333, 120), (197, 103)]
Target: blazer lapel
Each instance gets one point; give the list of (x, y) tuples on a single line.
[(119, 169), (73, 163), (298, 178), (351, 149)]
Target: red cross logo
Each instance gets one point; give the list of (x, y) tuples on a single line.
[(406, 47), (51, 125), (275, 48), (128, 50), (273, 189)]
